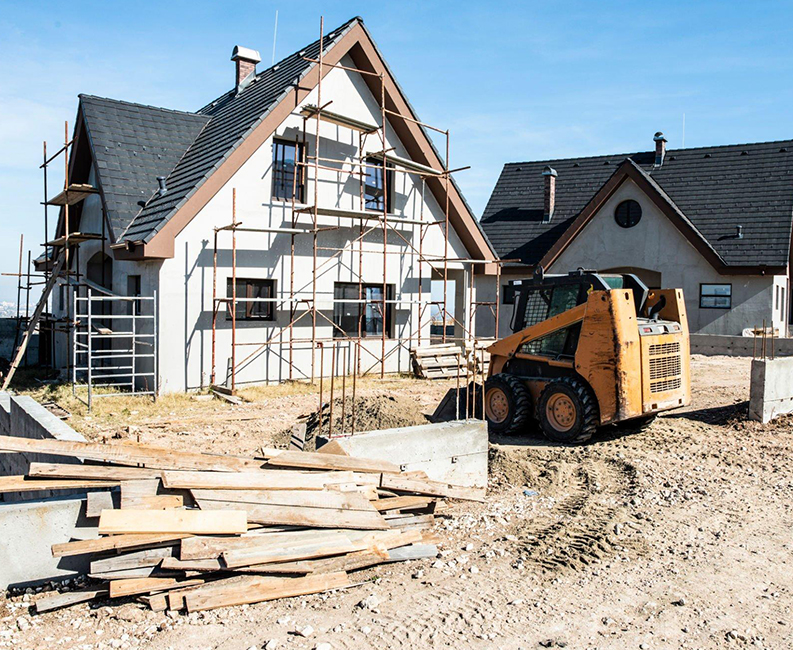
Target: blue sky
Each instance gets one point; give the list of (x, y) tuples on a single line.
[(513, 81)]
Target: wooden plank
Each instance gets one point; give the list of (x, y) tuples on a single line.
[(432, 488), (134, 572), (134, 560), (198, 522), (308, 551), (315, 460), (130, 454), (415, 552), (299, 498), (175, 564), (301, 516), (176, 597), (132, 491), (56, 601), (412, 521), (132, 586), (116, 542), (156, 502), (261, 480), (97, 472), (398, 503), (95, 502), (156, 602), (21, 484), (259, 589), (208, 547)]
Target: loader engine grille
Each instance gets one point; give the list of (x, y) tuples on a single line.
[(665, 367)]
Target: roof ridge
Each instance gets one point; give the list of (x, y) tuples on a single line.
[(138, 105), (622, 156)]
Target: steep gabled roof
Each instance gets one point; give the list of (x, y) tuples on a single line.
[(132, 145), (714, 189), (231, 118)]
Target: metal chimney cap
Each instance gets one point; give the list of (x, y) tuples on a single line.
[(163, 188), (245, 54), (549, 171), (659, 136)]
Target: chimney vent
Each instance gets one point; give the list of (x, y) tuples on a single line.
[(163, 188), (739, 232), (246, 60), (660, 148), (549, 194)]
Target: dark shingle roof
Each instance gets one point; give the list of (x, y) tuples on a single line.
[(231, 118), (716, 188), (132, 145)]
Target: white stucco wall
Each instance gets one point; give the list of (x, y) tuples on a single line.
[(186, 280), (655, 244)]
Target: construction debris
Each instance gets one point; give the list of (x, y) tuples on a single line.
[(198, 531)]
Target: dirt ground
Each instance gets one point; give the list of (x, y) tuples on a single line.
[(675, 537)]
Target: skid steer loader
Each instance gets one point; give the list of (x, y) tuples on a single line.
[(588, 350)]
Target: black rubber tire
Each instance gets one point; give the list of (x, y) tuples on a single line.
[(519, 403), (587, 415), (638, 424)]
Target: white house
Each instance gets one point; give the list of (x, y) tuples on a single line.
[(715, 221), (166, 180)]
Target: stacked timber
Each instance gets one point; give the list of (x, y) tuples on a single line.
[(442, 361), (194, 531), (477, 357)]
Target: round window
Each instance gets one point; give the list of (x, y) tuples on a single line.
[(628, 213)]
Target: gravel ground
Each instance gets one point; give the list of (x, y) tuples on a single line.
[(675, 537)]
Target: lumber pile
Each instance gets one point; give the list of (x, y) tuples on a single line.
[(194, 531), (442, 361)]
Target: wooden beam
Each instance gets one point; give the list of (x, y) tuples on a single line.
[(198, 522), (261, 480), (299, 498), (21, 484), (56, 601), (316, 460), (114, 543), (260, 589), (432, 488), (132, 586), (97, 472)]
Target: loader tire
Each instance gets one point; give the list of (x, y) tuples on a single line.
[(507, 405), (568, 411)]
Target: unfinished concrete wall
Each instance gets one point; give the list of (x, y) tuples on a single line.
[(452, 452), (771, 388), (24, 417), (739, 346)]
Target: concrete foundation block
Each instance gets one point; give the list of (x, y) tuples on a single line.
[(739, 346), (771, 389), (453, 452), (28, 529)]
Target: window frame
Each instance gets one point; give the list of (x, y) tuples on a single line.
[(338, 306), (248, 307), (134, 306), (628, 224), (375, 167), (702, 295), (278, 172)]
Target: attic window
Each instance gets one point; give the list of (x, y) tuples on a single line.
[(707, 155), (783, 150), (606, 162), (576, 165), (628, 213), (744, 153)]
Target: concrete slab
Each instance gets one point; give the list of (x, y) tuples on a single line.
[(738, 346), (452, 452), (771, 388), (30, 528)]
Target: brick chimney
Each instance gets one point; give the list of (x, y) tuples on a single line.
[(549, 194), (660, 148), (246, 60)]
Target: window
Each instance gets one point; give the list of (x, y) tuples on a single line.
[(133, 289), (61, 297), (286, 155), (560, 343), (545, 303), (370, 312), (628, 213), (715, 296), (373, 187), (252, 309)]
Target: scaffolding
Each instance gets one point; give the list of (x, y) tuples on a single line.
[(303, 303), (114, 350)]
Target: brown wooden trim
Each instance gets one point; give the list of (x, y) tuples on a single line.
[(358, 44), (629, 170)]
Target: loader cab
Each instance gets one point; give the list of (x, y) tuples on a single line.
[(545, 296)]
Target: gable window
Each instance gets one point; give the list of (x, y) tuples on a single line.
[(628, 213), (347, 309), (286, 156), (248, 291), (715, 296), (373, 187)]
